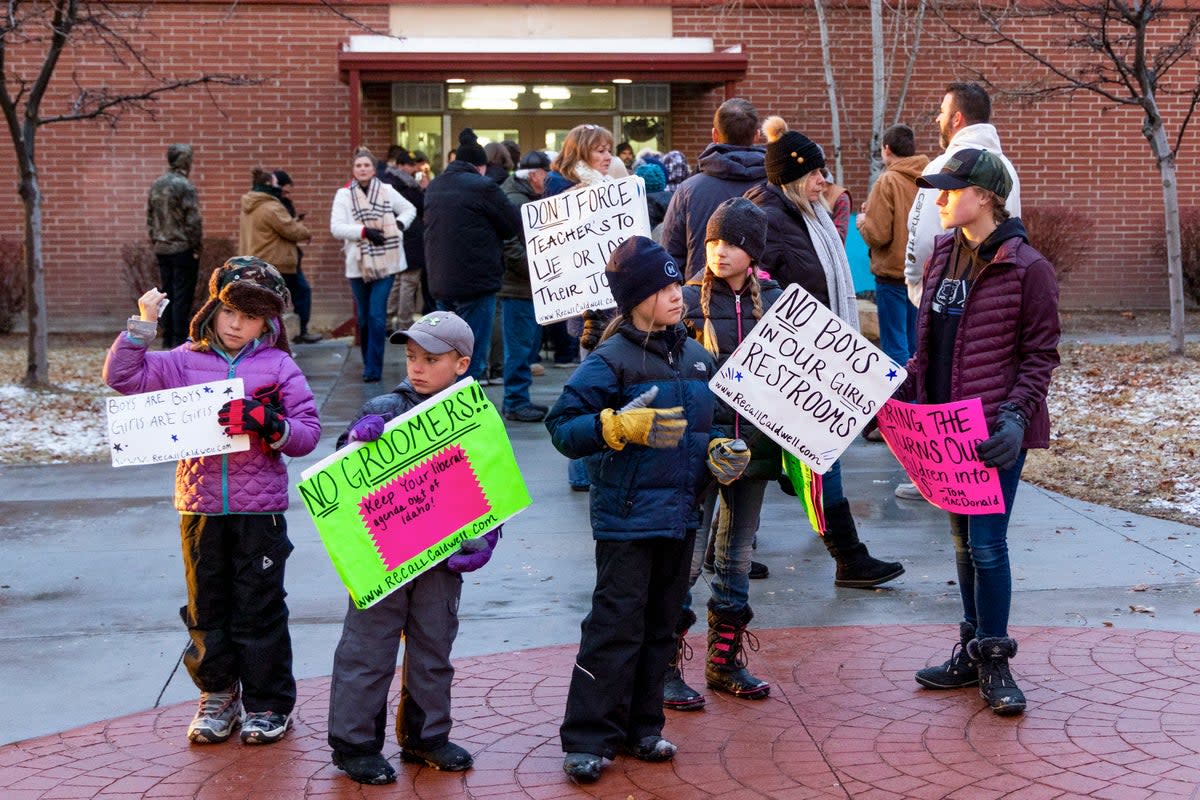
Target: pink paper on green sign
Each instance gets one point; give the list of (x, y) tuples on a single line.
[(392, 509), (413, 511), (935, 443)]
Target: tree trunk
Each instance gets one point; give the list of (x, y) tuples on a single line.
[(879, 94), (37, 372), (1157, 135), (831, 86)]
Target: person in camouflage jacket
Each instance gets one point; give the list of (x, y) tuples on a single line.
[(176, 234)]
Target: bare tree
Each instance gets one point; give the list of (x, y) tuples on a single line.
[(1123, 51), (903, 36), (831, 87), (38, 33)]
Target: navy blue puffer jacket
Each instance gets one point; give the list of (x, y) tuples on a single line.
[(640, 492)]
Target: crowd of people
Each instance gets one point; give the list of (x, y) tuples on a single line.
[(676, 477)]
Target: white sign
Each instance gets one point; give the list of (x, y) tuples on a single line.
[(807, 379), (172, 424), (568, 238)]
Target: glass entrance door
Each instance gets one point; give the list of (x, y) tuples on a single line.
[(531, 131)]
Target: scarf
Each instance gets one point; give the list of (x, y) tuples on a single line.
[(586, 176), (374, 210), (828, 244)]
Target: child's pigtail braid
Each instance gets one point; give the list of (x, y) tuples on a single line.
[(756, 293), (709, 338)]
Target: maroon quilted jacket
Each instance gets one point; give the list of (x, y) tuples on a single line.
[(1007, 344)]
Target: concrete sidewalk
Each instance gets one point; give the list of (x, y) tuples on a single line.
[(90, 580)]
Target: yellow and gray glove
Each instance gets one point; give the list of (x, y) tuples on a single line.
[(660, 428), (727, 459)]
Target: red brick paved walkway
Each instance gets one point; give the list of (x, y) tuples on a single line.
[(1113, 714)]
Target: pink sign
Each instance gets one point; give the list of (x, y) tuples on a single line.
[(417, 509), (936, 446)]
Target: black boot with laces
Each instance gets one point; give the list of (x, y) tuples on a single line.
[(996, 684), (961, 670)]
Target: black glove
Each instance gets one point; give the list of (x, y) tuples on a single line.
[(374, 236), (1004, 446)]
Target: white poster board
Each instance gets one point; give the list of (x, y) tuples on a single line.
[(172, 424), (807, 379), (568, 238)]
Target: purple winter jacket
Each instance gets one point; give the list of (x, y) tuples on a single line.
[(248, 482), (1007, 343)]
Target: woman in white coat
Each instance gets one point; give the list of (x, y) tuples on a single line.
[(370, 217)]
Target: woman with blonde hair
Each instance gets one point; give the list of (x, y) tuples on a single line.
[(584, 159), (804, 247), (370, 217)]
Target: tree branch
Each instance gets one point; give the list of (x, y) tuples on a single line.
[(95, 104)]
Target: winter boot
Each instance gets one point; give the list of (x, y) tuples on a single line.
[(961, 670), (996, 684), (677, 695), (856, 569), (725, 669)]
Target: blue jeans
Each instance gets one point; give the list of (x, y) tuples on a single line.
[(371, 299), (522, 338), (479, 314), (577, 474), (897, 322), (733, 543), (831, 485), (981, 555)]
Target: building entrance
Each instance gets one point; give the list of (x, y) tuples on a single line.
[(531, 131)]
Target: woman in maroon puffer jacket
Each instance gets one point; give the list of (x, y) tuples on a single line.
[(987, 328)]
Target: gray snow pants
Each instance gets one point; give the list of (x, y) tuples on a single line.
[(425, 613)]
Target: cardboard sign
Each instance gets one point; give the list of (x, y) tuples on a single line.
[(568, 239), (807, 379), (389, 510), (172, 424), (935, 444)]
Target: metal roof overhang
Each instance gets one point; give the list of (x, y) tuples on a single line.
[(701, 68)]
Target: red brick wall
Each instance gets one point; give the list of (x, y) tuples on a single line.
[(1079, 152), (1076, 152), (95, 179)]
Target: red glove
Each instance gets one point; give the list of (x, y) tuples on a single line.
[(251, 416), (270, 395)]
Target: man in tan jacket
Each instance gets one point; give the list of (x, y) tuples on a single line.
[(268, 230), (883, 224)]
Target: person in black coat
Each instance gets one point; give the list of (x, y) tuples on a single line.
[(467, 220)]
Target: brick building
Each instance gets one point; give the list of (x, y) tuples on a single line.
[(651, 71)]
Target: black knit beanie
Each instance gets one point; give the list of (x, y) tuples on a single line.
[(792, 156), (469, 149), (741, 223), (637, 269)]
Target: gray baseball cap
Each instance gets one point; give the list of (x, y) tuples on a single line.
[(439, 332)]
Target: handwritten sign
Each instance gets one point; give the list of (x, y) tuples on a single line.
[(171, 424), (389, 510), (935, 444), (807, 379), (568, 238)]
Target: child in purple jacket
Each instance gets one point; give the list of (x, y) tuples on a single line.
[(231, 506)]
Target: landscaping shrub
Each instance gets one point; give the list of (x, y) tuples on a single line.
[(1062, 235), (139, 267), (12, 282)]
